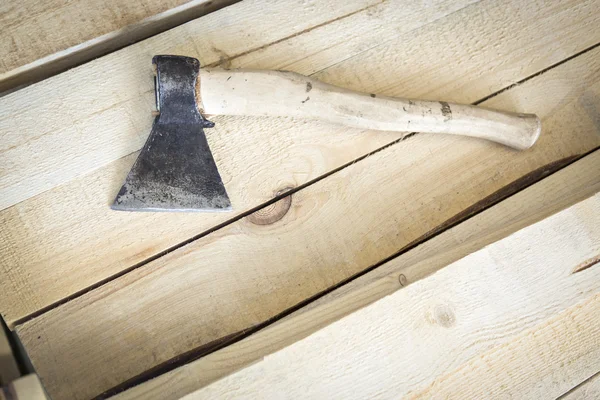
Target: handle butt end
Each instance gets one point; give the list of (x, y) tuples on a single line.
[(519, 131), (531, 133)]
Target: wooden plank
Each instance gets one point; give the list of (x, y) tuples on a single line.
[(41, 39), (554, 193), (70, 223), (512, 320), (589, 389), (205, 292)]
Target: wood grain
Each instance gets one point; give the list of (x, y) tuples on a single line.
[(508, 321), (61, 177), (41, 39), (560, 190), (204, 291)]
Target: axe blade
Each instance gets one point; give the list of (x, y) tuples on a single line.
[(175, 170)]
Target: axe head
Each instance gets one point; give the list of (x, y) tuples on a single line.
[(175, 170)]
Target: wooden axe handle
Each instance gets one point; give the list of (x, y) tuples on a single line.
[(276, 93)]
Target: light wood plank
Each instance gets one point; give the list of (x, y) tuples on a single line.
[(40, 39), (554, 193), (249, 271), (589, 389), (509, 321), (71, 224)]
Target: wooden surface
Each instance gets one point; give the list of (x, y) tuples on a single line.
[(57, 205), (287, 94), (560, 190), (41, 38), (513, 320), (84, 150), (95, 315), (204, 292)]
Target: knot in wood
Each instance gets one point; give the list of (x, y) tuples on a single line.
[(402, 279), (273, 212)]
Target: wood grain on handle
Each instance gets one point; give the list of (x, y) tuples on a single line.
[(276, 93)]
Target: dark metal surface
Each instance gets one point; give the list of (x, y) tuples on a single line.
[(175, 170)]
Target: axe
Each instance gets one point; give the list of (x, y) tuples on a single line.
[(175, 170)]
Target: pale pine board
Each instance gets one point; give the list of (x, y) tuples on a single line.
[(41, 38), (554, 193), (590, 389), (245, 273), (257, 157), (509, 321)]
